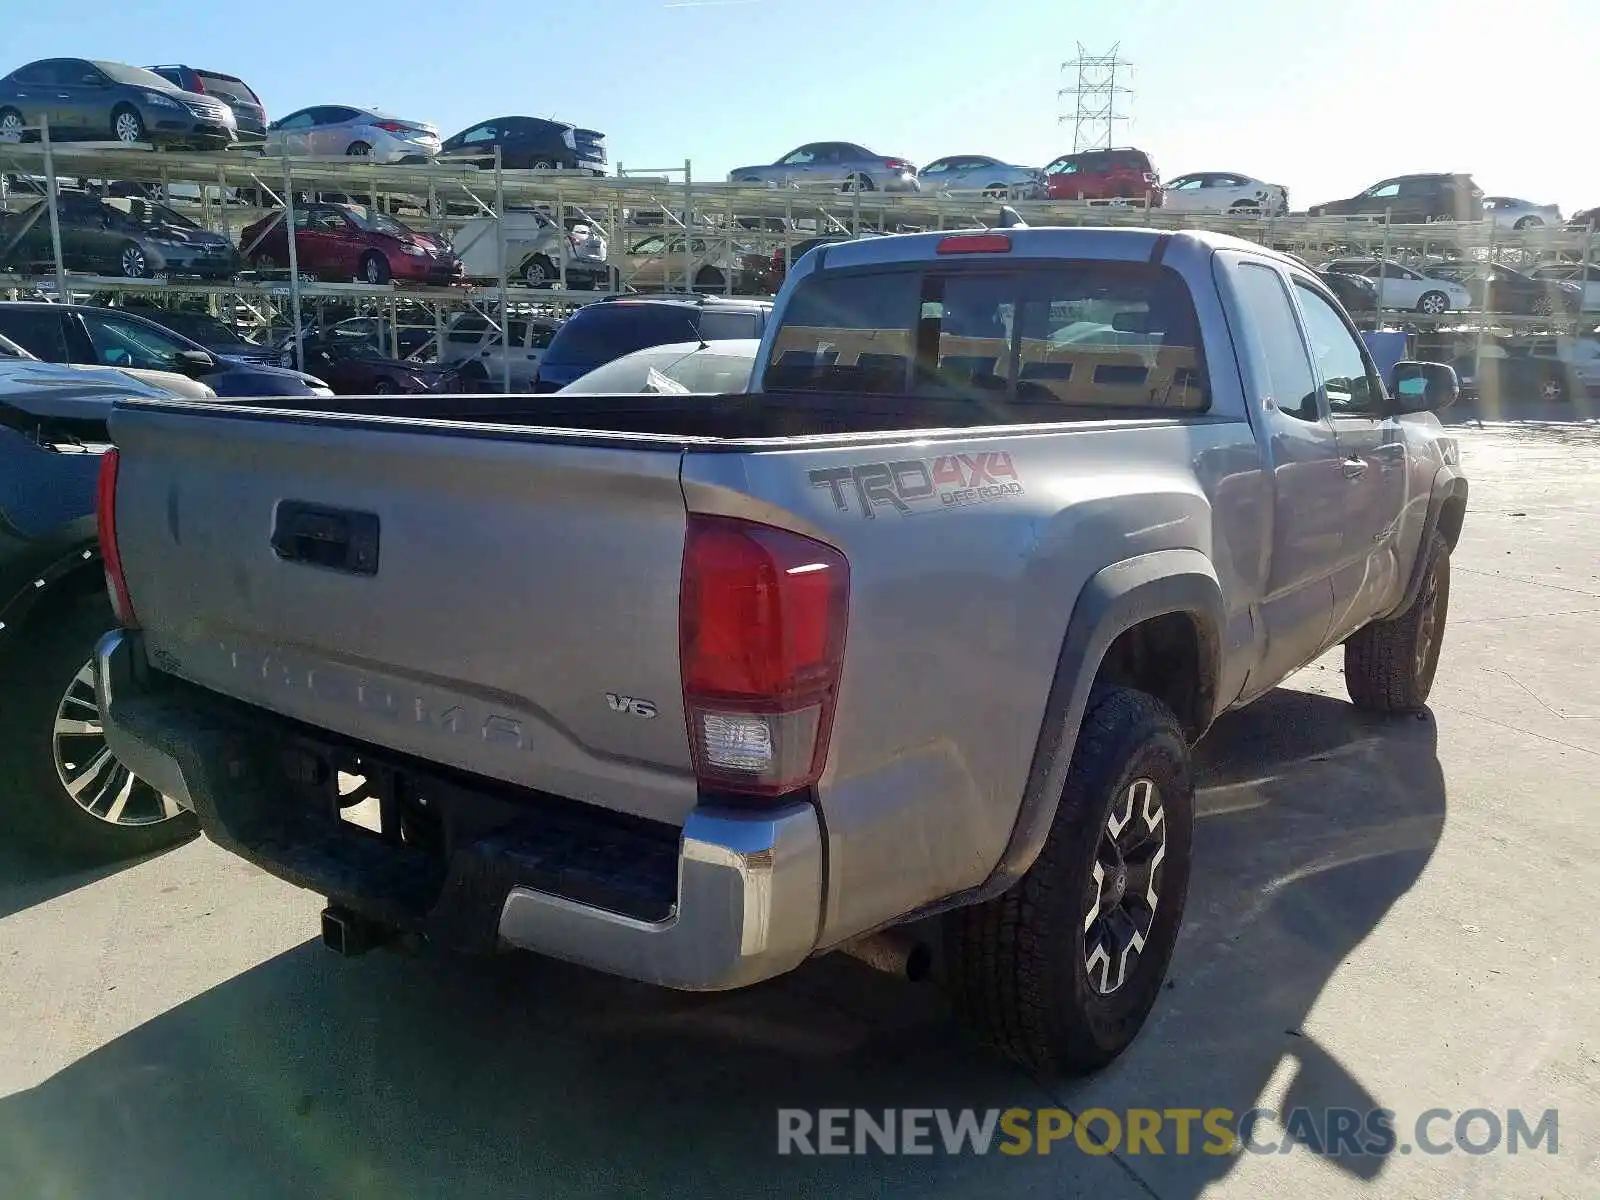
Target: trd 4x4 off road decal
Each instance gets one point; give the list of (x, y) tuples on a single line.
[(913, 485)]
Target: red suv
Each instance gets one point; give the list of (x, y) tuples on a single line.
[(347, 241), (1117, 174)]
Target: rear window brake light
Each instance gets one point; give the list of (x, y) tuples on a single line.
[(975, 243)]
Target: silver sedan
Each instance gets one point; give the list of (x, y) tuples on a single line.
[(332, 130), (1507, 212), (841, 165), (978, 173)]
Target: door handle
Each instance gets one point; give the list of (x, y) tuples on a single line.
[(1355, 468)]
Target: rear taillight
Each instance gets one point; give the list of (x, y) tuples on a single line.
[(897, 164), (761, 625), (106, 518), (395, 127), (975, 243)]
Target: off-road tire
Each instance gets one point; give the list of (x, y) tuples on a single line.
[(34, 803), (1015, 966), (1383, 670)]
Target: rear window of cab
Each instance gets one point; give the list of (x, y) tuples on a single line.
[(1074, 333)]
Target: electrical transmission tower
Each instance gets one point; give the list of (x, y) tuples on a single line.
[(1098, 82)]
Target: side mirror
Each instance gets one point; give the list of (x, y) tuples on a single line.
[(1424, 386), (195, 362)]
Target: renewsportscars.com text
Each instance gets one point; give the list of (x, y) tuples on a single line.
[(1175, 1131)]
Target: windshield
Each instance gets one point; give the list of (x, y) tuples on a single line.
[(603, 332), (148, 215), (352, 346), (376, 222), (135, 76), (227, 89), (197, 326)]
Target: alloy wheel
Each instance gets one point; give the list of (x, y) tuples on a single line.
[(11, 125), (128, 127), (133, 263), (1125, 883), (95, 779), (1551, 389)]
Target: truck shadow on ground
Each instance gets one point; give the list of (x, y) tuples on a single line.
[(29, 876), (402, 1077)]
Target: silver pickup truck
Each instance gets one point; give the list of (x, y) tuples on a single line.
[(910, 644)]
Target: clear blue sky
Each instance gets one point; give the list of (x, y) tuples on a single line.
[(1324, 96)]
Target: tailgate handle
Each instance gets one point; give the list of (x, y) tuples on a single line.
[(338, 539)]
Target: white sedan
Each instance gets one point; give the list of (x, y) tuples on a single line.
[(1401, 287), (1223, 192)]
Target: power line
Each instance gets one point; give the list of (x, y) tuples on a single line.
[(1097, 83)]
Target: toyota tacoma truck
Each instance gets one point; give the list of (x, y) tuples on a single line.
[(916, 636)]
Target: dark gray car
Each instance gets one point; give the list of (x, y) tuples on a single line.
[(842, 165), (91, 100)]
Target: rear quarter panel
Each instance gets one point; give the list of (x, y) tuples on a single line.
[(959, 607)]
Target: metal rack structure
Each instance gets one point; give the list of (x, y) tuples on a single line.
[(226, 191)]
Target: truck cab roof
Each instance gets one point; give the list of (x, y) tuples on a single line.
[(1100, 242)]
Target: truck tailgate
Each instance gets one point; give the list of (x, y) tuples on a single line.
[(497, 603)]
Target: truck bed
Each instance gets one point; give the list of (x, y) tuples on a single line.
[(698, 418)]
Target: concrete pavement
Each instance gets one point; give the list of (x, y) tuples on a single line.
[(1395, 914)]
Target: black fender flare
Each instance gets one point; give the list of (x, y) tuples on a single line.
[(1114, 600), (69, 570), (1449, 495)]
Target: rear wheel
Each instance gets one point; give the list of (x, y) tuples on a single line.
[(539, 272), (64, 789), (1553, 389), (1060, 972), (997, 191), (382, 387), (1434, 304), (11, 124), (709, 279), (544, 164), (857, 183), (1529, 223), (358, 150)]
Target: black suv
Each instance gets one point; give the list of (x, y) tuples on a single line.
[(531, 144), (1412, 200), (606, 330), (249, 114)]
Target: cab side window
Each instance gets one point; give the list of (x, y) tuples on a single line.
[(1277, 337), (1339, 357)]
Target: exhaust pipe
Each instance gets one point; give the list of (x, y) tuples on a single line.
[(893, 953), (349, 934)]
